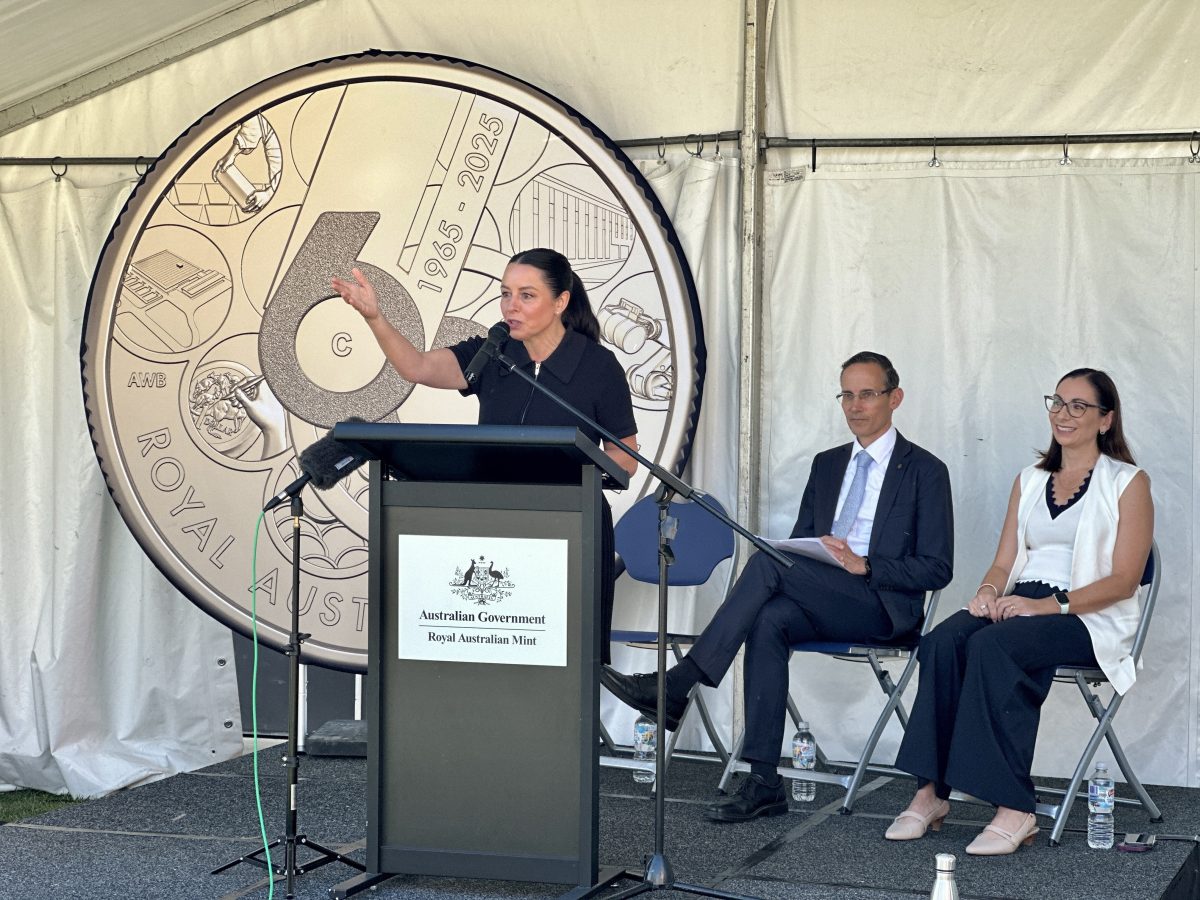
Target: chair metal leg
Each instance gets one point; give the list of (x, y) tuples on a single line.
[(893, 705), (1131, 777), (1089, 752), (606, 739), (731, 763), (697, 697), (793, 711)]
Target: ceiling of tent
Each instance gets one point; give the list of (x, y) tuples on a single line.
[(67, 50)]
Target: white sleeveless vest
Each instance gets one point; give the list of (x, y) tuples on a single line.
[(1112, 628)]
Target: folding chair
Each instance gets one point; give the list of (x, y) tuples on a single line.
[(1086, 680), (701, 542), (866, 652)]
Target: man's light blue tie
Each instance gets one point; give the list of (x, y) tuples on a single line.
[(854, 498)]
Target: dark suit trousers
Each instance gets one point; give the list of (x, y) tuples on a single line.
[(980, 692), (770, 608)]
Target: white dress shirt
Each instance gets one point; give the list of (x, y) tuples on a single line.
[(880, 451)]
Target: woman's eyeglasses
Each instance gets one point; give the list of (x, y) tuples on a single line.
[(1075, 408)]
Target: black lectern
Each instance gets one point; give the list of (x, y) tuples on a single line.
[(481, 685)]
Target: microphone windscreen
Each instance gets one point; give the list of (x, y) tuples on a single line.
[(321, 459), (498, 332)]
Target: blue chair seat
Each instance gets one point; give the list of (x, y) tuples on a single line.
[(701, 543)]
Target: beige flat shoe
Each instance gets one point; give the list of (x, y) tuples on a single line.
[(993, 841), (908, 826)]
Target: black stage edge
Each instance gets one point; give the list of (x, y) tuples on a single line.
[(338, 737), (161, 840)]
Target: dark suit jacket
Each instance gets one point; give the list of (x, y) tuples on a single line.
[(912, 541)]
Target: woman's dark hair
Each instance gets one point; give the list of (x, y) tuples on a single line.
[(1112, 442), (556, 269)]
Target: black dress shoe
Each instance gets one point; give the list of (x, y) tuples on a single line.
[(641, 692), (754, 798)]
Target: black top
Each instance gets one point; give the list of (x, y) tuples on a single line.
[(1055, 509), (579, 370)]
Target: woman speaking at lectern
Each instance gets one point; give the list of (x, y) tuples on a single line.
[(553, 335)]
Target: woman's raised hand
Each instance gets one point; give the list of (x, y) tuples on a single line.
[(358, 293)]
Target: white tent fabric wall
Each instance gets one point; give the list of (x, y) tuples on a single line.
[(948, 67), (851, 253), (107, 676), (628, 82), (701, 197), (984, 285)]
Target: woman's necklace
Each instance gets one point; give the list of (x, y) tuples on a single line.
[(1072, 480)]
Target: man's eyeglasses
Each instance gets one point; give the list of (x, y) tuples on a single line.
[(1075, 408), (846, 397)]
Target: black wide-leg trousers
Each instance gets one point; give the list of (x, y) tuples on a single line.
[(980, 692), (770, 608)]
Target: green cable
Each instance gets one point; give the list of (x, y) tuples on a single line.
[(262, 825)]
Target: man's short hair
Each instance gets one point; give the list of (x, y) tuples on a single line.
[(890, 376)]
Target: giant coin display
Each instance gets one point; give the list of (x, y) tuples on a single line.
[(214, 351)]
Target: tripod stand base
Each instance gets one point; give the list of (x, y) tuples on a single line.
[(290, 868)]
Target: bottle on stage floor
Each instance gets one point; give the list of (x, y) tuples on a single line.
[(804, 757), (944, 887), (1101, 801), (645, 742)]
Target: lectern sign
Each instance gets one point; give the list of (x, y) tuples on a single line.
[(482, 600)]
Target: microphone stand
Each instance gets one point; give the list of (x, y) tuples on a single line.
[(291, 761), (658, 874)]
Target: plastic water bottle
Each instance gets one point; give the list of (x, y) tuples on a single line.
[(645, 742), (804, 757), (944, 887), (1101, 800)]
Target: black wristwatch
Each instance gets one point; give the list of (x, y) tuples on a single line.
[(1064, 602)]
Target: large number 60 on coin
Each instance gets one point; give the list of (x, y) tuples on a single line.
[(213, 353)]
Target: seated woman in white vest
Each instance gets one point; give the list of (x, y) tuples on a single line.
[(1062, 590)]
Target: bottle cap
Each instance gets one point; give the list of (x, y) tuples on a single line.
[(802, 725), (945, 862), (1103, 767)]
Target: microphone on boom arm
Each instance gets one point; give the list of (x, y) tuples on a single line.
[(324, 463), (496, 337)]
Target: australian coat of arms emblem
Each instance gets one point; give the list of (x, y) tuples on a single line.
[(481, 582)]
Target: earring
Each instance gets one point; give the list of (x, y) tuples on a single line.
[(1103, 432)]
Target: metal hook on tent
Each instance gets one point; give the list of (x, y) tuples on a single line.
[(814, 154), (1066, 157), (717, 146), (141, 166), (934, 163), (662, 151), (58, 160), (1194, 146)]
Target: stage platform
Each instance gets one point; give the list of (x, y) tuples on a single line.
[(162, 840)]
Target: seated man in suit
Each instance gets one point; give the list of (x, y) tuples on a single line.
[(882, 506)]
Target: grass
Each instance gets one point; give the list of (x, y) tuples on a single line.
[(18, 805)]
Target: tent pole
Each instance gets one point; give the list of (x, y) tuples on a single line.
[(754, 75)]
